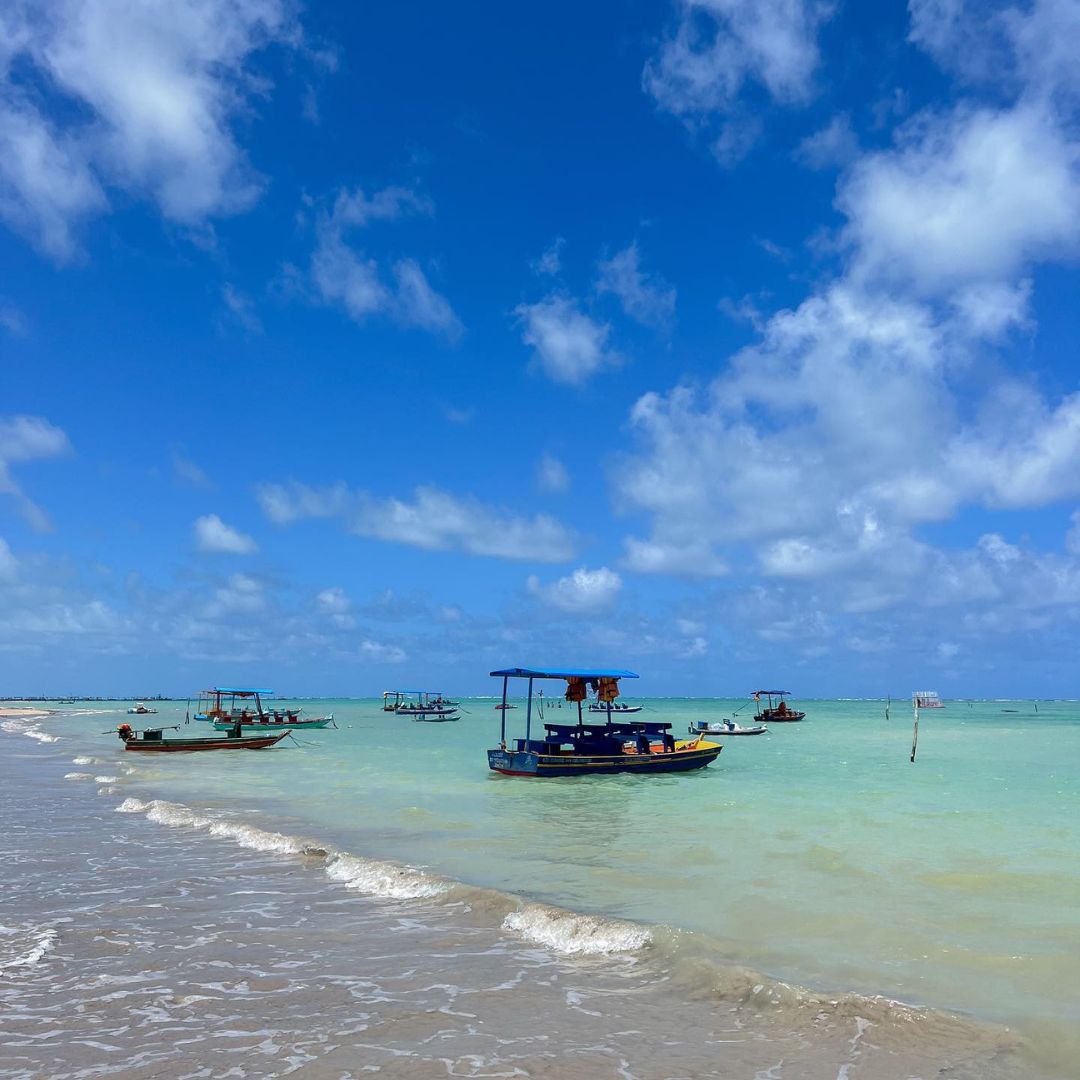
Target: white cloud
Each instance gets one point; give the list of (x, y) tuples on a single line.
[(683, 558), (344, 275), (333, 601), (418, 304), (833, 146), (434, 520), (551, 476), (240, 595), (721, 47), (568, 345), (241, 309), (9, 565), (336, 607), (159, 125), (974, 196), (648, 300), (190, 473), (582, 591), (550, 263), (1025, 48), (213, 535), (12, 319), (22, 439), (382, 653)]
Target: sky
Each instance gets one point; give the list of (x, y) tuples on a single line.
[(345, 347)]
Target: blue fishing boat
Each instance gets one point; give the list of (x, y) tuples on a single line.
[(614, 746)]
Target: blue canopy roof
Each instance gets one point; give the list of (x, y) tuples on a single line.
[(237, 690), (565, 673)]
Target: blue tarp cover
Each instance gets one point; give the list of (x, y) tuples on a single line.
[(565, 673)]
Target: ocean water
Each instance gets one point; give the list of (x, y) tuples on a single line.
[(786, 898)]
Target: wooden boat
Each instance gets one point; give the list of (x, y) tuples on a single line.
[(781, 713), (725, 727), (224, 705), (429, 706), (152, 740), (583, 749), (622, 710)]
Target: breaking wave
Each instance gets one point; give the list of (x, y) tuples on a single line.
[(24, 946), (573, 934)]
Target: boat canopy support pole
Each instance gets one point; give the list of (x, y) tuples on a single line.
[(502, 726), (528, 715)]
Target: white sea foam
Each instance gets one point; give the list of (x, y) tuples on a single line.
[(105, 779), (78, 776), (573, 934), (249, 836), (371, 876), (87, 761), (19, 726), (377, 878), (25, 946)]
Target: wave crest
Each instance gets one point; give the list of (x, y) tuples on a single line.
[(574, 934)]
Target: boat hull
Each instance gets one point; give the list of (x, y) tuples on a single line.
[(531, 763), (761, 729), (166, 746)]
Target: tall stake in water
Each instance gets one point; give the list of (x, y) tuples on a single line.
[(888, 702), (915, 733)]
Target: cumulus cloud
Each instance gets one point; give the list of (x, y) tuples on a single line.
[(433, 520), (584, 590), (23, 439), (722, 48), (159, 125), (551, 476), (344, 275), (971, 196), (649, 300), (817, 453), (214, 536), (568, 346)]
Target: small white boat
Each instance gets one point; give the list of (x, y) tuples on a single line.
[(139, 709), (725, 727)]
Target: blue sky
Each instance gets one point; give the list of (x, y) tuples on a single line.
[(346, 346)]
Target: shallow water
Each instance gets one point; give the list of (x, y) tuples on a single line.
[(817, 854)]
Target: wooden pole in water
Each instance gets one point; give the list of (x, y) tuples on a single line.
[(915, 733), (887, 704)]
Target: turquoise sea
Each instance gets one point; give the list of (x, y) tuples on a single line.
[(816, 854)]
